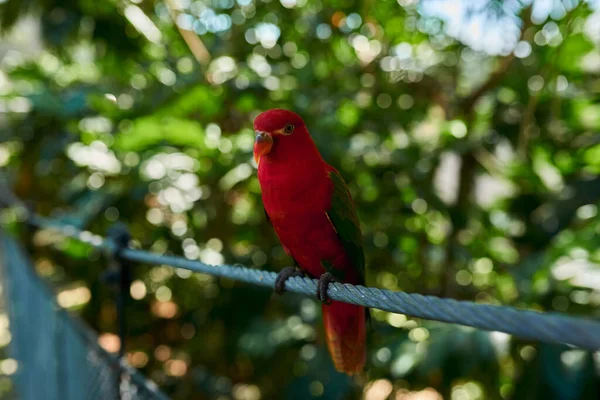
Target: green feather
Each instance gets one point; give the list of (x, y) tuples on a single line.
[(342, 215)]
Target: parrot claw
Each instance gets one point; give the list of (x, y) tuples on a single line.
[(323, 285), (283, 276)]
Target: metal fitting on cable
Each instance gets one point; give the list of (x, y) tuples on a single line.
[(119, 236)]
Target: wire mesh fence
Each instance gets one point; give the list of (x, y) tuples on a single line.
[(58, 356)]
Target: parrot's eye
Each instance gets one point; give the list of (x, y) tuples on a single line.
[(289, 128)]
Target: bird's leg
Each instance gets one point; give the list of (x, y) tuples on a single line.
[(284, 275), (324, 281)]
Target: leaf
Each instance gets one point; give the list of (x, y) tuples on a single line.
[(150, 131), (573, 49)]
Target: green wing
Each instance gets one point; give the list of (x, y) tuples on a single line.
[(342, 215)]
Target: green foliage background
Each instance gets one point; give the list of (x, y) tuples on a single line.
[(474, 164)]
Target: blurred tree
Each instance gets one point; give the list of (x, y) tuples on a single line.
[(468, 133)]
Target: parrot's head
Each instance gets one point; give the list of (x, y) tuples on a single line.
[(276, 131)]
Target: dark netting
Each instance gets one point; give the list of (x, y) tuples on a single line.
[(58, 356)]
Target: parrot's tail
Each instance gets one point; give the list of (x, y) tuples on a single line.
[(346, 332)]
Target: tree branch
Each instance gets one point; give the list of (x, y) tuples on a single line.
[(494, 79), (193, 41)]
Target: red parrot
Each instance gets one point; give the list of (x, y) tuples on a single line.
[(312, 212)]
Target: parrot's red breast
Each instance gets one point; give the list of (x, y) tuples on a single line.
[(313, 215)]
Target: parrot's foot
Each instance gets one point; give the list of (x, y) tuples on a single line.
[(322, 286), (283, 276)]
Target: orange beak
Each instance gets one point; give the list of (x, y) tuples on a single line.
[(262, 145)]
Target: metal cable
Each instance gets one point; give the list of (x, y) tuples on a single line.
[(546, 327)]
